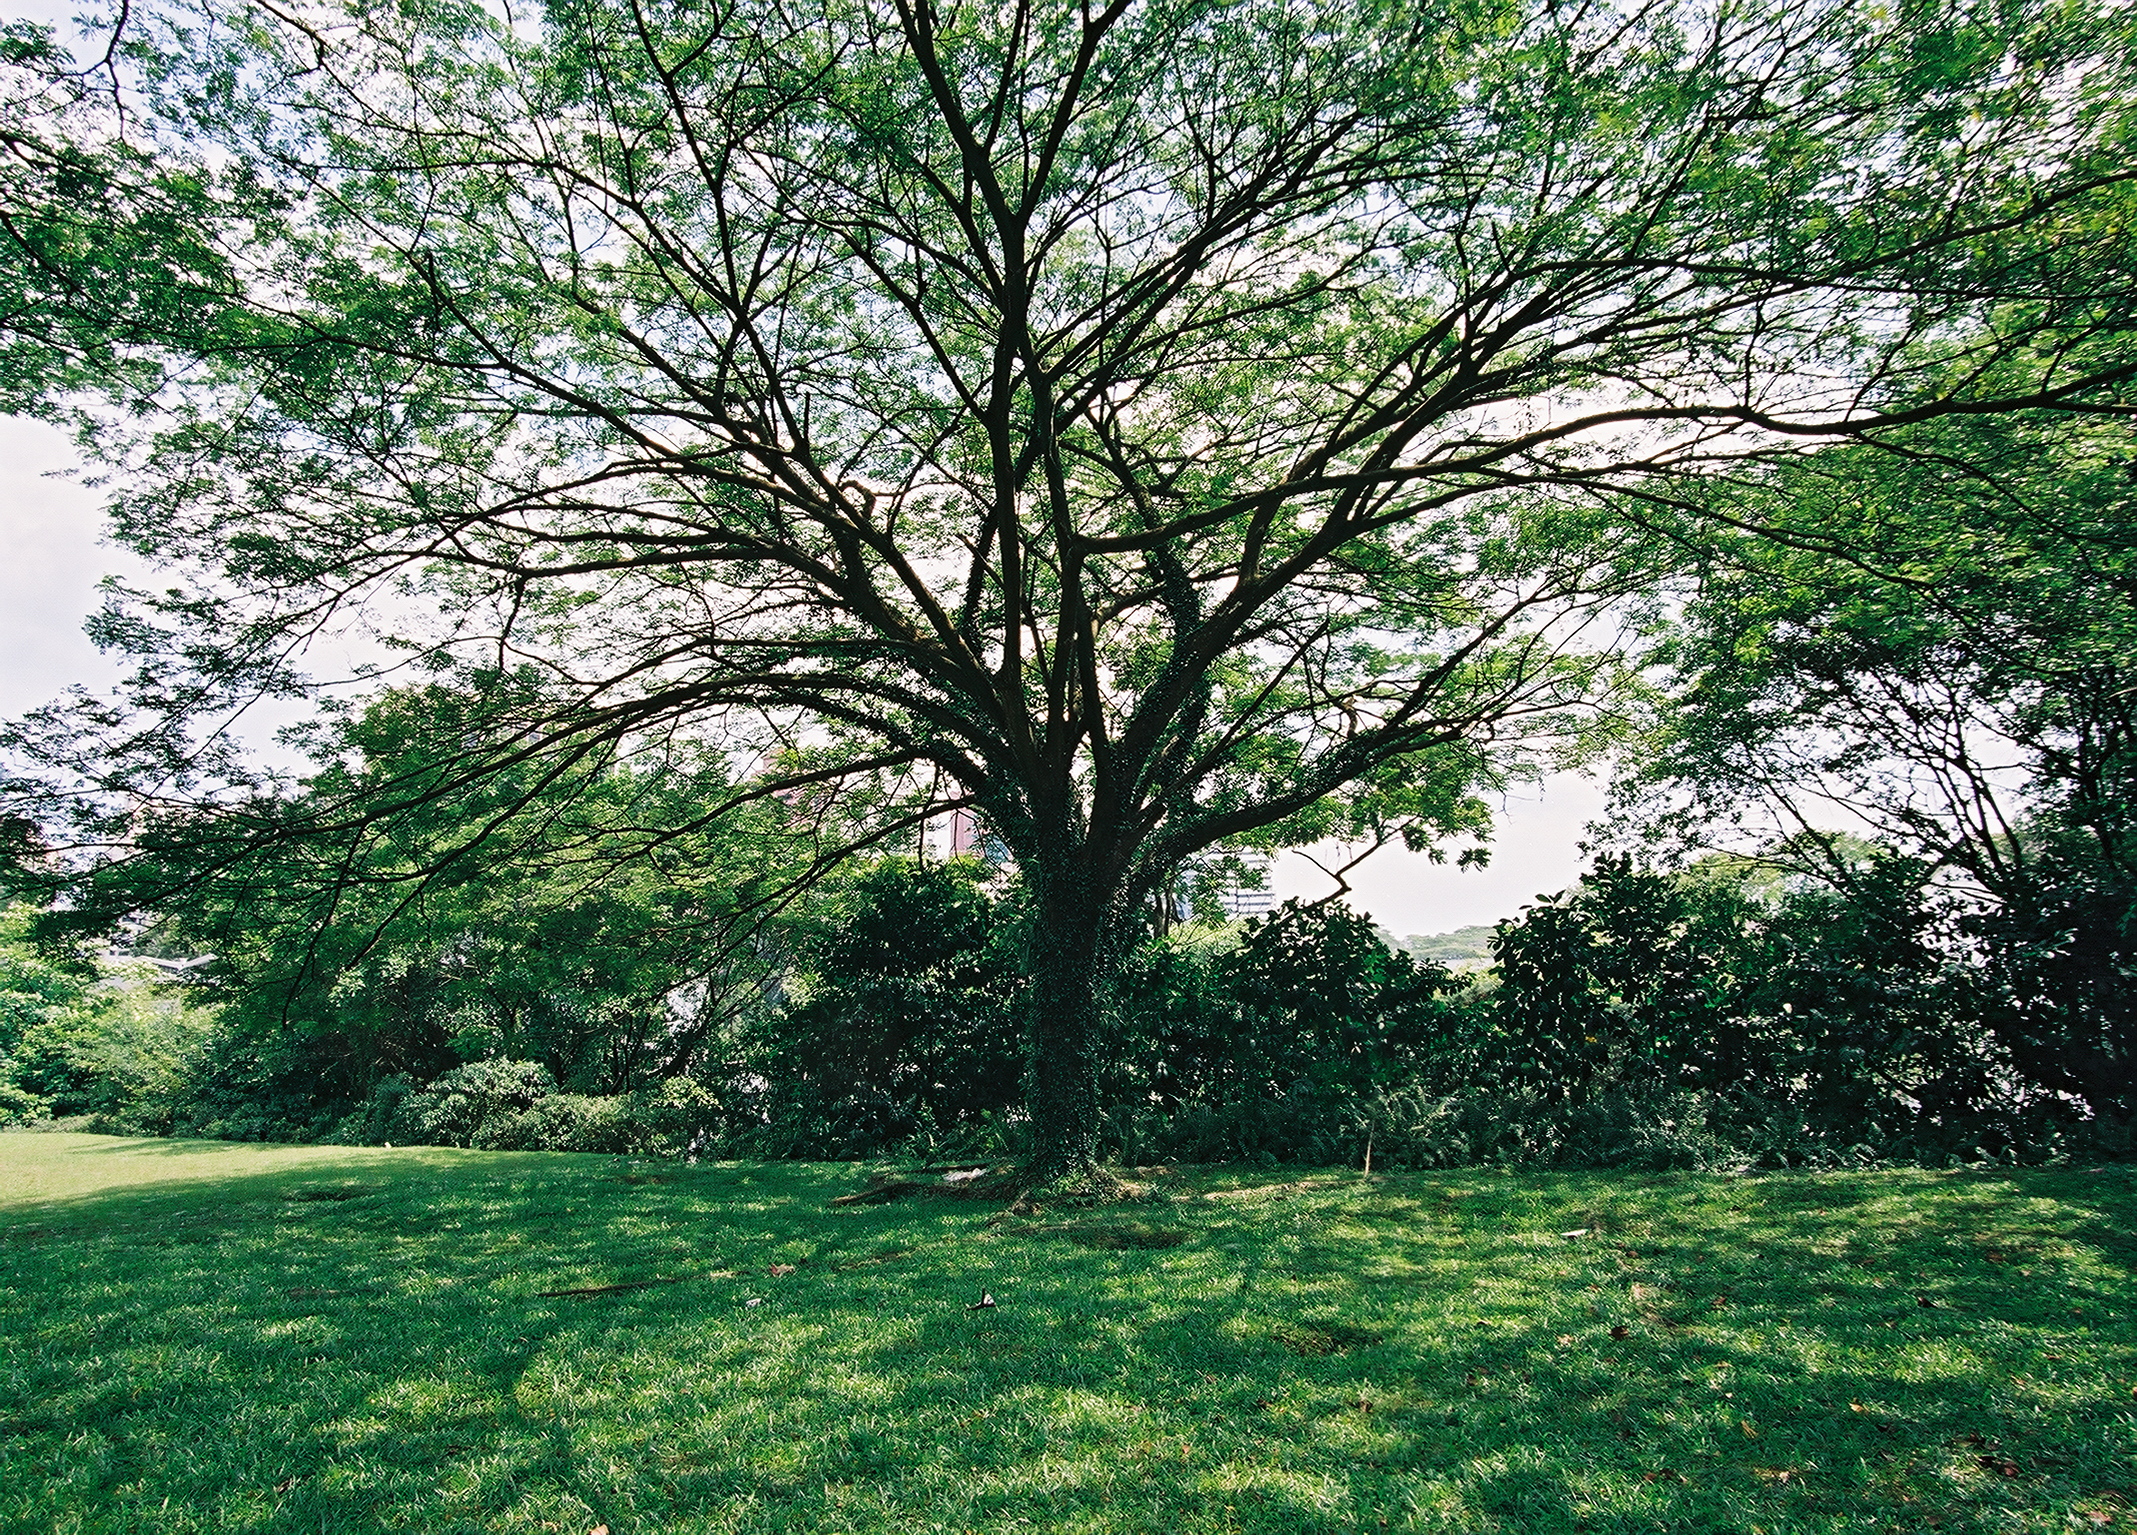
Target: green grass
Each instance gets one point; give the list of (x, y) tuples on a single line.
[(220, 1337)]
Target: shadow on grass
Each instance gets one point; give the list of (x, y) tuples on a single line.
[(361, 1342)]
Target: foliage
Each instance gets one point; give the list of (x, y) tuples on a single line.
[(1624, 978), (1851, 1012), (1935, 646), (514, 1106), (106, 255), (678, 1118), (904, 1016), (523, 919), (1177, 425), (1416, 1124), (81, 1036), (452, 1341), (1305, 998), (37, 992), (455, 1109), (2060, 975)]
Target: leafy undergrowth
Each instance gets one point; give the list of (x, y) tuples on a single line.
[(225, 1337)]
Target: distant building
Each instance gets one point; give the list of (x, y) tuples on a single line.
[(961, 834), (1241, 901)]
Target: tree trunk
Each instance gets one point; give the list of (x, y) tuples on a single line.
[(1069, 974)]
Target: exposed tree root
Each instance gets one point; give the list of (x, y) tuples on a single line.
[(1026, 1190), (1084, 1185)]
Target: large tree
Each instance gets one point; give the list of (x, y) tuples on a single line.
[(1143, 425)]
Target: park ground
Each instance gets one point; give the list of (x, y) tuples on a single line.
[(205, 1336)]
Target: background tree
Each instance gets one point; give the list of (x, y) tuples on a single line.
[(1934, 648), (605, 922), (1144, 423)]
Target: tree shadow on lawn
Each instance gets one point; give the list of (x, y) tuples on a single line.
[(343, 1345)]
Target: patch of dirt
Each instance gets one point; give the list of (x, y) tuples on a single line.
[(965, 1182), (610, 1289), (884, 1193), (333, 1193), (1086, 1188), (1318, 1339), (890, 1255), (1110, 1236), (1273, 1191)]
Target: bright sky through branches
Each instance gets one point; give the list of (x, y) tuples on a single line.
[(52, 530)]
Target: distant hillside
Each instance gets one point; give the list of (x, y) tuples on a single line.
[(1466, 948)]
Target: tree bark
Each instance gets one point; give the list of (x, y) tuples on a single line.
[(1069, 974)]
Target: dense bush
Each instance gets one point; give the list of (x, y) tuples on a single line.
[(1847, 1009), (2059, 978), (679, 1117), (456, 1108), (901, 1021), (1718, 1018), (1305, 1000), (1413, 1126), (502, 1105), (41, 993), (1723, 1017)]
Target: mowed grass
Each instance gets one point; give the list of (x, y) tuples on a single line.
[(220, 1337)]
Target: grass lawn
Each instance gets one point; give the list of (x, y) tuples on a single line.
[(220, 1337)]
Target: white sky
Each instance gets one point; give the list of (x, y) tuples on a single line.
[(51, 557), (53, 13), (52, 554)]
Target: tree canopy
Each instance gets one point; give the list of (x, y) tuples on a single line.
[(1150, 426)]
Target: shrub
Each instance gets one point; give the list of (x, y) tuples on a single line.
[(86, 1037), (455, 1109), (904, 1019), (1307, 997), (18, 1106), (679, 1117)]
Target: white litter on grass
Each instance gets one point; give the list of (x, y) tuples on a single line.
[(964, 1174), (1576, 1234), (754, 1300)]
